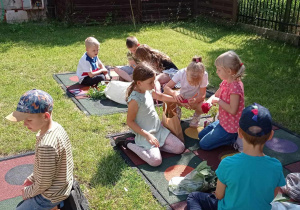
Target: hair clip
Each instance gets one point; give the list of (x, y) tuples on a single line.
[(197, 60), (241, 64)]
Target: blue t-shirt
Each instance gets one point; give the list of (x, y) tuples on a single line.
[(250, 181)]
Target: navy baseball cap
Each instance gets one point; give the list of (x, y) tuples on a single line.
[(32, 102), (256, 120)]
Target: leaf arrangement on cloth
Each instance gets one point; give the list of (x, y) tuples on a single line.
[(202, 178), (97, 93)]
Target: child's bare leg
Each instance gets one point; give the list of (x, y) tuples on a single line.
[(157, 86), (173, 145), (163, 78), (151, 156), (123, 74), (197, 108)]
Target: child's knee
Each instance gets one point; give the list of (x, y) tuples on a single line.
[(117, 70), (155, 162), (180, 149), (204, 146)]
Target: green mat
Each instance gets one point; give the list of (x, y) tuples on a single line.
[(178, 165), (11, 203), (77, 92)]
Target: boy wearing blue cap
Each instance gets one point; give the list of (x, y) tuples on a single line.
[(248, 180), (52, 177)]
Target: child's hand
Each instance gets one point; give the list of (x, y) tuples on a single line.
[(27, 182), (107, 77), (178, 97), (152, 140), (23, 196), (215, 100), (192, 101)]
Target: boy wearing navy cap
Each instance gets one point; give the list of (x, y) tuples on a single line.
[(52, 177), (248, 180)]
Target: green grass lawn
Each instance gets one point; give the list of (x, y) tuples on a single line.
[(31, 53)]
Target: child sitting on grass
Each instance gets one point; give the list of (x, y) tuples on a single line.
[(90, 70), (125, 72), (248, 180), (193, 81), (160, 62), (52, 177), (142, 118)]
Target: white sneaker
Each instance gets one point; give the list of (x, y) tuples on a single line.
[(238, 144), (195, 121)]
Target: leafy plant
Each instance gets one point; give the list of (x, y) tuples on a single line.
[(214, 111), (97, 92)]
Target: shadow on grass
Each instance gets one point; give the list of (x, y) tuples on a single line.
[(109, 170), (52, 35), (272, 68)]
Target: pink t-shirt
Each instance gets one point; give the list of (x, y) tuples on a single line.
[(228, 121)]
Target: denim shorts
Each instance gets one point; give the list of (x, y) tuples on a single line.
[(171, 72), (127, 69), (36, 203)]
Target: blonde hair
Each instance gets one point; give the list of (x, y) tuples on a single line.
[(142, 72), (91, 42), (152, 56), (231, 61), (195, 70)]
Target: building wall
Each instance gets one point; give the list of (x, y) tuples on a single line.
[(14, 11)]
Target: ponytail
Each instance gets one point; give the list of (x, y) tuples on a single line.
[(129, 90), (241, 72)]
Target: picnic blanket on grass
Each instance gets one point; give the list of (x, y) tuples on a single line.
[(77, 92), (284, 146)]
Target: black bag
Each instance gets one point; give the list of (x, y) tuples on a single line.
[(76, 200)]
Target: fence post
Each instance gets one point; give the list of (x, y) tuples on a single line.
[(235, 10), (139, 10), (286, 18), (195, 10)]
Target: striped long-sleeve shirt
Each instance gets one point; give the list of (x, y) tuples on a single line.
[(52, 175)]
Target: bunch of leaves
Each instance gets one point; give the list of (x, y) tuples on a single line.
[(214, 111), (97, 92)]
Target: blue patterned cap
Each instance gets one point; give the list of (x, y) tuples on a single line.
[(32, 102), (256, 120)]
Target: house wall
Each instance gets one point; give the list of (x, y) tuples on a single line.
[(14, 11)]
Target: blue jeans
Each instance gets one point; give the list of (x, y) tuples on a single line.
[(214, 136), (36, 203), (200, 200)]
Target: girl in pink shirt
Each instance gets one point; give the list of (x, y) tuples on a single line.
[(230, 97)]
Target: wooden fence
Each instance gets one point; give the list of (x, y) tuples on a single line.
[(109, 11)]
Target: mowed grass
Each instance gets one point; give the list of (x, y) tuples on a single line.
[(31, 53)]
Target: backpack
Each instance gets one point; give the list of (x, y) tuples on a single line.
[(76, 200)]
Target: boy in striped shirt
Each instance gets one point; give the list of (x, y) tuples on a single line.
[(52, 177)]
